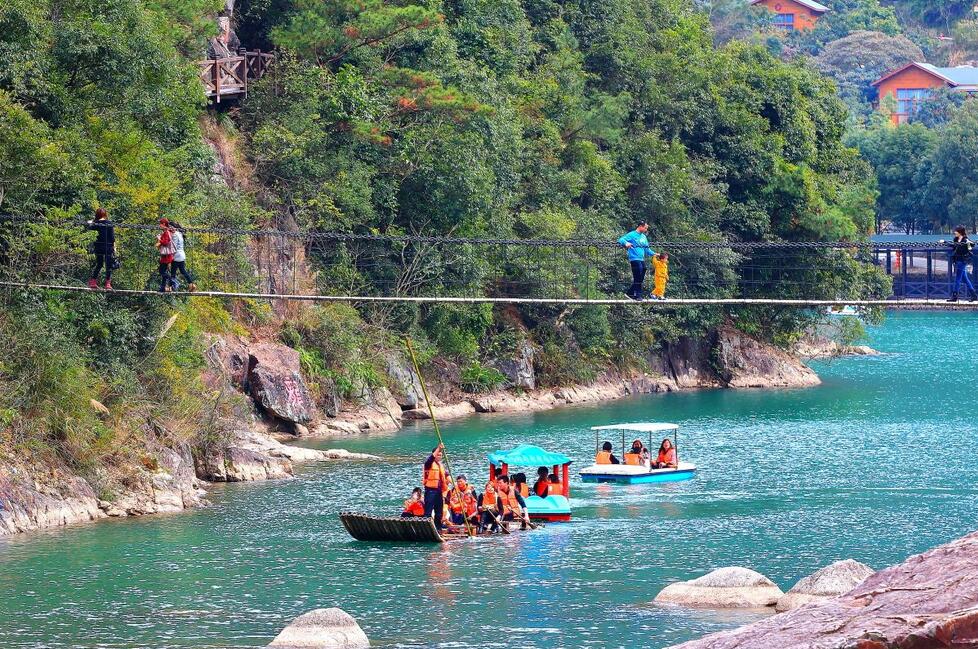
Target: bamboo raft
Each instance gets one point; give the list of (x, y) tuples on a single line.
[(364, 527)]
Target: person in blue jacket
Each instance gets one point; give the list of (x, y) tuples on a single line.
[(637, 246)]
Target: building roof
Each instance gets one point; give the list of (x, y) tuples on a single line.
[(528, 455), (811, 4), (962, 75)]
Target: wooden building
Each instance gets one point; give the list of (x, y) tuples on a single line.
[(915, 82), (793, 15)]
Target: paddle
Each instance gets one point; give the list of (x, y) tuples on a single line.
[(501, 524)]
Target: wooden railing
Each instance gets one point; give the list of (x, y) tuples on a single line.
[(229, 77)]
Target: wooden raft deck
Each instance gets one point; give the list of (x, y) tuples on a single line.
[(365, 527)]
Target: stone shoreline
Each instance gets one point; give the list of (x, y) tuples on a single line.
[(740, 363)]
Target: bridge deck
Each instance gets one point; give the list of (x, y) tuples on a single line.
[(892, 303)]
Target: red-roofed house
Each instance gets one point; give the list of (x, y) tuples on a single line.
[(915, 82), (794, 15)]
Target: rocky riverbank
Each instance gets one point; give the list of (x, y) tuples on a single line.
[(274, 401), (727, 358), (926, 602)]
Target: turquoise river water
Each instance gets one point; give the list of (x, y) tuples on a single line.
[(876, 464)]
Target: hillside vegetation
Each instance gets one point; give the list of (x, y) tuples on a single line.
[(503, 118)]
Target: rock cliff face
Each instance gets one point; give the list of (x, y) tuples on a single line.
[(930, 601), (726, 359)]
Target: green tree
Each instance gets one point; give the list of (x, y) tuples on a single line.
[(900, 157)]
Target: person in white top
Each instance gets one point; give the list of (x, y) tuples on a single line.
[(179, 263)]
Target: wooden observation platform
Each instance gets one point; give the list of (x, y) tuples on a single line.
[(229, 78)]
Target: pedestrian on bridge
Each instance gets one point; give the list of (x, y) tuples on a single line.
[(179, 263), (637, 246), (166, 250), (103, 248), (962, 254)]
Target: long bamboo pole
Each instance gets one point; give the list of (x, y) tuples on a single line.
[(441, 441)]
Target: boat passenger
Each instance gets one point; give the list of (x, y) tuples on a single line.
[(520, 486), (638, 455), (435, 482), (513, 504), (491, 507), (667, 456), (542, 486), (604, 456), (554, 488), (462, 502), (414, 506)]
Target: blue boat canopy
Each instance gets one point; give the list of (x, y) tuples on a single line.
[(528, 455)]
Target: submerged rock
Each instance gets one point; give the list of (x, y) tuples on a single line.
[(831, 581), (724, 588), (323, 628), (928, 601)]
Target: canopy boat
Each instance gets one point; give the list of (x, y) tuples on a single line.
[(637, 473), (555, 507)]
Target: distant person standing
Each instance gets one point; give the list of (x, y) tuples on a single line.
[(435, 482), (962, 253), (637, 246), (104, 248)]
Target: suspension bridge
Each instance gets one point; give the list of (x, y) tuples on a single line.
[(314, 266)]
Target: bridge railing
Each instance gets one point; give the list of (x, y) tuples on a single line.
[(276, 262), (919, 272), (230, 77)]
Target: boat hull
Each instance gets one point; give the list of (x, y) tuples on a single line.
[(630, 474), (672, 476), (554, 508)]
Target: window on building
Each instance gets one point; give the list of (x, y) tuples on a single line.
[(909, 99), (784, 21)]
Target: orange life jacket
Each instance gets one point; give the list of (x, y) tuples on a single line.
[(434, 478), (524, 490), (489, 495), (414, 507), (462, 501), (667, 457), (510, 504), (635, 459), (603, 457), (555, 489)]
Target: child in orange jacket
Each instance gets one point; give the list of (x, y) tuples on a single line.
[(660, 268)]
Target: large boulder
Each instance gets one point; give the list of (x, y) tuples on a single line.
[(518, 370), (928, 601), (323, 628), (747, 363), (405, 384), (277, 385), (831, 581), (724, 588)]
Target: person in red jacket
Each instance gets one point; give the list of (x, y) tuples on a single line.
[(414, 506), (164, 245)]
